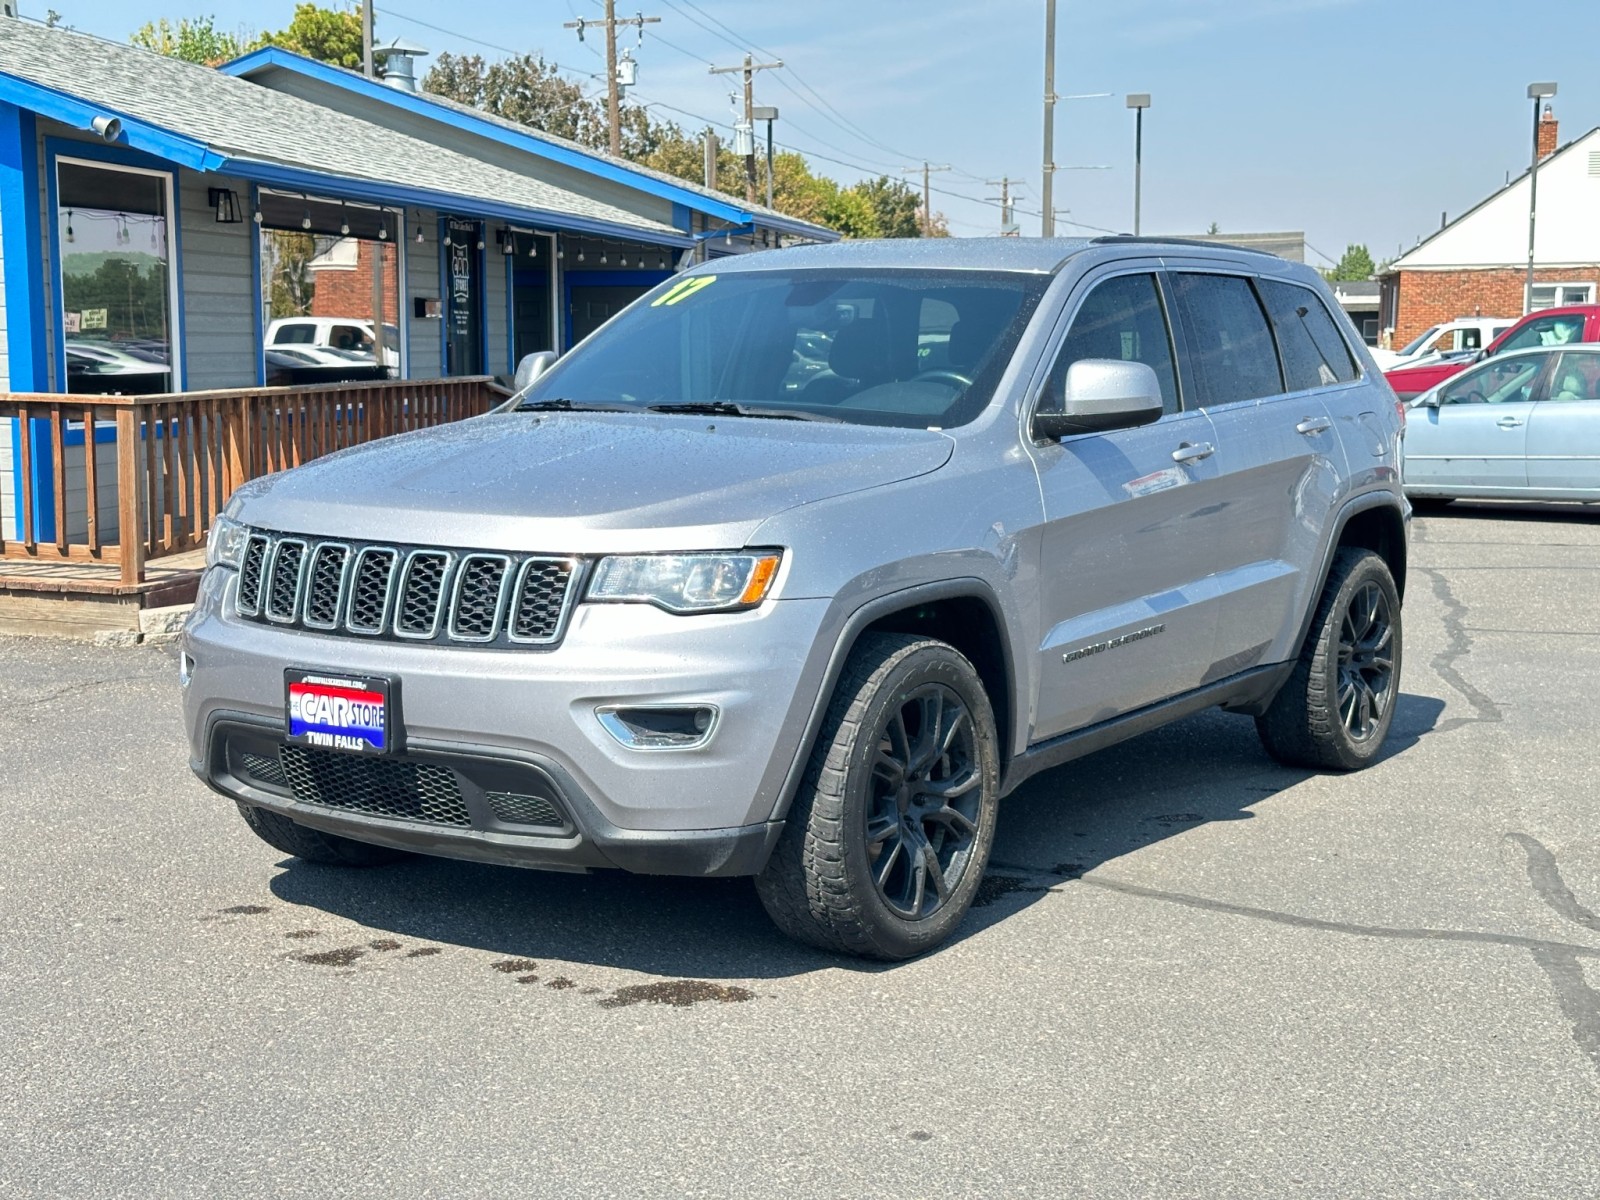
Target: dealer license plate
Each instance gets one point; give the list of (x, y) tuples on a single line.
[(355, 713)]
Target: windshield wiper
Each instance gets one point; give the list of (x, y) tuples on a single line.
[(727, 408), (561, 404)]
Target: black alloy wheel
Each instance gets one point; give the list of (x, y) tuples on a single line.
[(1366, 662), (923, 802)]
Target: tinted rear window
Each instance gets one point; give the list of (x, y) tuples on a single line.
[(1231, 354)]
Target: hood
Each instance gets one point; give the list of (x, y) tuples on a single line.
[(584, 482)]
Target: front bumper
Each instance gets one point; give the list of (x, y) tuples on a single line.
[(522, 722)]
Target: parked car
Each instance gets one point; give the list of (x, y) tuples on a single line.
[(350, 335), (1467, 335), (1524, 425), (663, 613), (1547, 327)]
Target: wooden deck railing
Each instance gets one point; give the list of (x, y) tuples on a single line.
[(134, 477)]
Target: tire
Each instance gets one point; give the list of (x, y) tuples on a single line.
[(313, 845), (1337, 706), (844, 874)]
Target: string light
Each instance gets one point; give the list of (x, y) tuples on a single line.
[(70, 236), (344, 221), (419, 233)]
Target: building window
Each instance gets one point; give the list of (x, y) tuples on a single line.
[(117, 286), (331, 283), (1556, 295)]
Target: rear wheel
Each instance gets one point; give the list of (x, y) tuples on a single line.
[(887, 841), (313, 845), (1337, 706)]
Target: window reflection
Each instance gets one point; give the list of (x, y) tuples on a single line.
[(116, 288)]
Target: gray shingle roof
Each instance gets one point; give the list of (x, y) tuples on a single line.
[(243, 121)]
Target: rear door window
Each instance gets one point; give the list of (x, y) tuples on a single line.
[(1230, 349), (1314, 353), (1556, 330)]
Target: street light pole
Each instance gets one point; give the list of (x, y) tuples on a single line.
[(1047, 225), (1536, 92), (769, 114), (1138, 101)]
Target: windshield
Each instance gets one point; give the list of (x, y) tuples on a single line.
[(911, 348)]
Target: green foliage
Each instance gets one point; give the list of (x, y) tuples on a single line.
[(131, 288), (1356, 264), (330, 35), (896, 204), (196, 40), (286, 274)]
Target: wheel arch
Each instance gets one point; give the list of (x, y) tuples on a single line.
[(964, 612)]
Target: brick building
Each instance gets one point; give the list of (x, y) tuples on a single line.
[(1476, 266)]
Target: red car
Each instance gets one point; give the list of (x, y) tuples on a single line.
[(1547, 327)]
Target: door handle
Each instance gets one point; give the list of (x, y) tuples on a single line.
[(1313, 425), (1509, 422), (1191, 452)]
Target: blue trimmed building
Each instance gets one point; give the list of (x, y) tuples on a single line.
[(155, 217)]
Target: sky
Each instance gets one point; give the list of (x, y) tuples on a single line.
[(1352, 120)]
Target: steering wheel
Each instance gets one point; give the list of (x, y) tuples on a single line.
[(942, 376)]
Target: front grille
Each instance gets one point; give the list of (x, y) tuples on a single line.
[(382, 787), (420, 594), (517, 809)]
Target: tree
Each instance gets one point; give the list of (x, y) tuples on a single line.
[(330, 35), (1356, 264), (1214, 229), (896, 205), (196, 40)]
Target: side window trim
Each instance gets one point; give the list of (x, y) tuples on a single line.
[(1039, 377)]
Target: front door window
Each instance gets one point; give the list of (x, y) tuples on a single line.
[(464, 314), (116, 279)]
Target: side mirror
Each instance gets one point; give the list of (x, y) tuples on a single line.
[(1101, 394), (531, 367)]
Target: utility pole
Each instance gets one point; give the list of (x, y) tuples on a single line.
[(712, 145), (769, 114), (613, 96), (367, 67), (1008, 227), (747, 136), (1047, 226), (927, 197)]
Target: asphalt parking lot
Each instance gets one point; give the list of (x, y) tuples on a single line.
[(1193, 973)]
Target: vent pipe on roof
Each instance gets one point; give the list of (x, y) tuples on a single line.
[(399, 63)]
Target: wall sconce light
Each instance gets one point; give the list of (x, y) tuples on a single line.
[(226, 205)]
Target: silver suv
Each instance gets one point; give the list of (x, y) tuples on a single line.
[(801, 563)]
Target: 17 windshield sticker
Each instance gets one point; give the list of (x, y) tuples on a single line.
[(683, 289)]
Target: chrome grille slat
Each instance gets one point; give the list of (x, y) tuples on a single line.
[(479, 597), (285, 579), (257, 548), (372, 582), (410, 593), (325, 581), (422, 585), (543, 599)]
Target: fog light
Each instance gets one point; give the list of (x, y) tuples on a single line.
[(656, 728), (185, 669)]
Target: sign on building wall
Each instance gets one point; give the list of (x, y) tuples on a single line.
[(464, 315)]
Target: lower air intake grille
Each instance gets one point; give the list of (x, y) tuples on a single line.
[(376, 786), (264, 770), (515, 809)]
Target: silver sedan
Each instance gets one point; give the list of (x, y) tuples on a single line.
[(1522, 426)]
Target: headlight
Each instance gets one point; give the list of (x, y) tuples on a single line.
[(687, 583), (225, 543)]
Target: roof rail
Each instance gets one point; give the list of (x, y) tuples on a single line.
[(1123, 239)]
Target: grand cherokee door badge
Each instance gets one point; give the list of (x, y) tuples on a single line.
[(1138, 635)]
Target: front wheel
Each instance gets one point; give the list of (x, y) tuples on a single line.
[(1336, 708), (887, 840)]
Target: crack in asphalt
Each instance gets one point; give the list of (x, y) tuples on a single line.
[(86, 685), (1561, 962), (1458, 646)]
